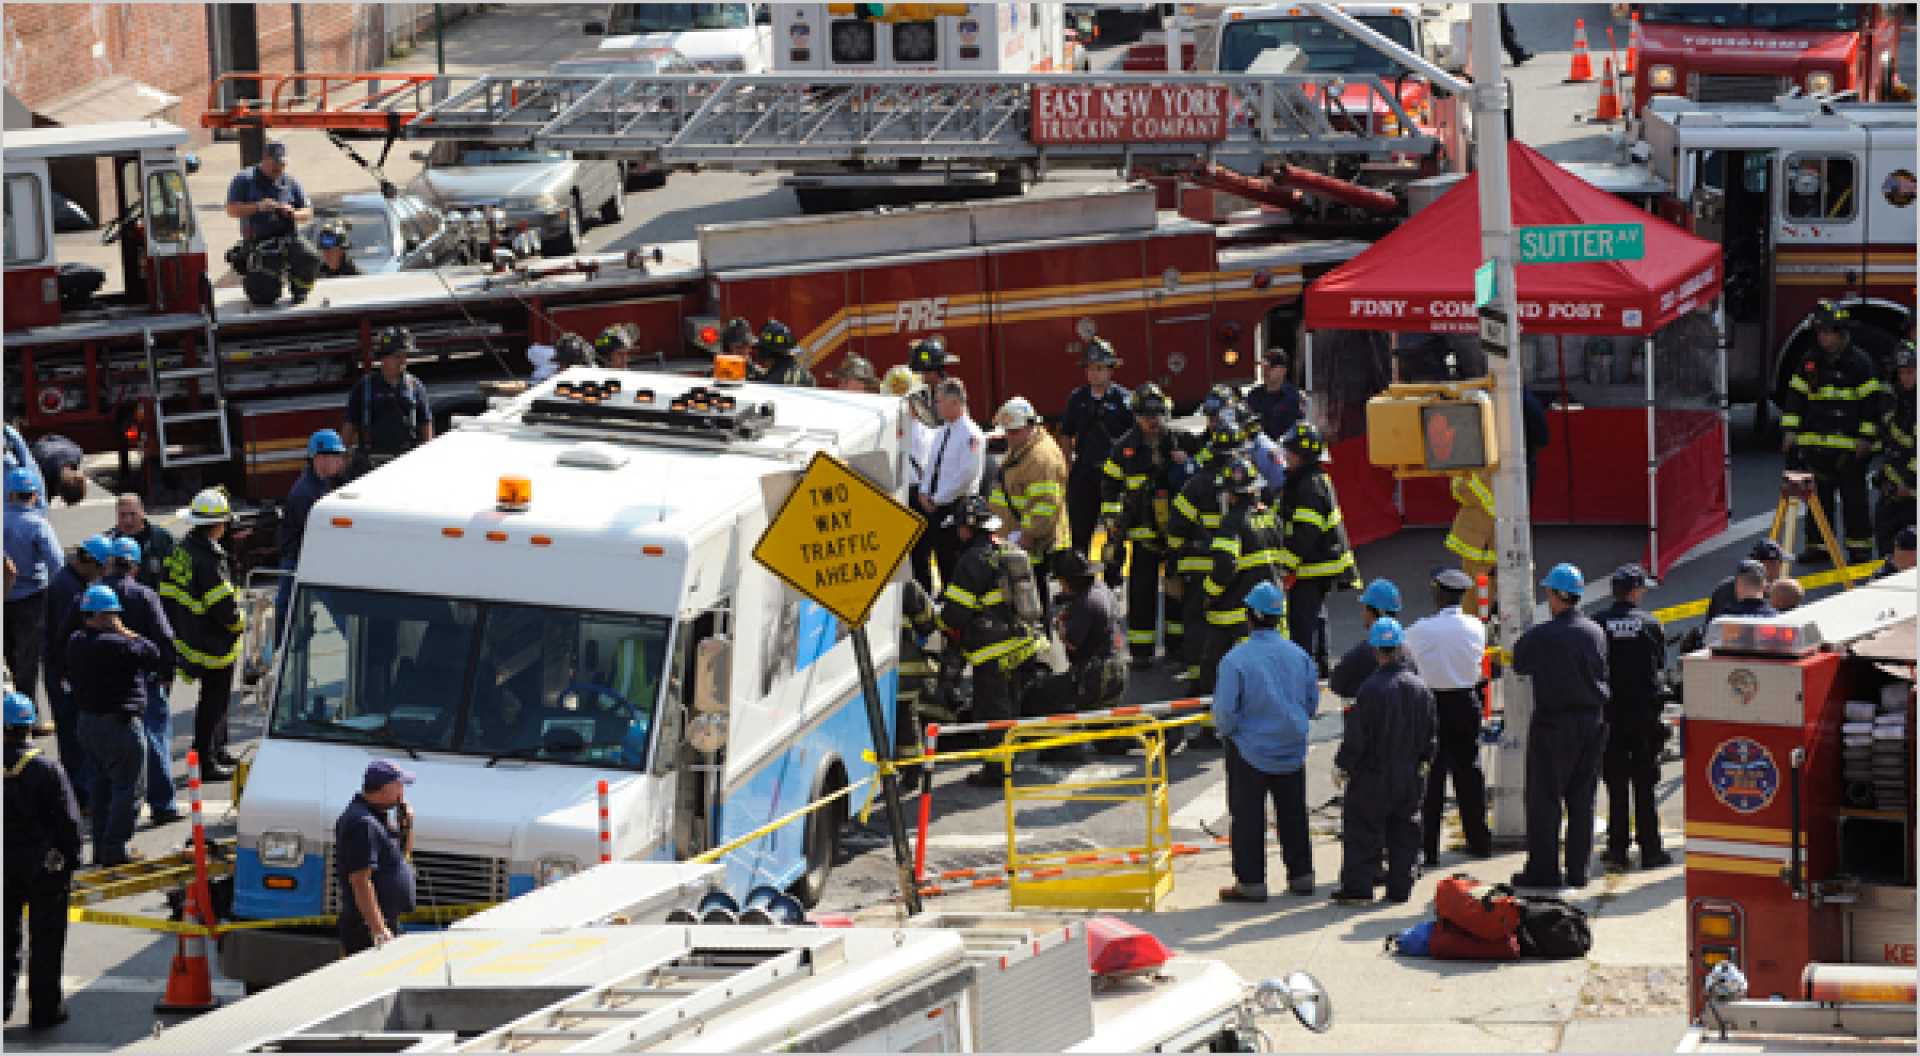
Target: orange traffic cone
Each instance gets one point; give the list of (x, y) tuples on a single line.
[(1633, 45), (1582, 69), (189, 980), (1608, 109)]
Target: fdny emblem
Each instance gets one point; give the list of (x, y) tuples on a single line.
[(1743, 775)]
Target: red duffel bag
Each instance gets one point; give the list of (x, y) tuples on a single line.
[(1487, 912), (1449, 943)]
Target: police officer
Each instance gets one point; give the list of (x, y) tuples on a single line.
[(1097, 414), (1316, 555), (1566, 657), (1636, 658), (955, 468), (207, 624), (1380, 599), (270, 203), (42, 851), (1773, 563), (614, 346), (371, 856), (976, 611), (1831, 418), (333, 242), (1266, 698), (1245, 553), (1190, 530), (1750, 591), (856, 374), (1136, 507), (1276, 401), (1447, 648), (326, 464), (146, 616), (783, 366), (388, 413), (109, 667), (1895, 509), (34, 550), (1388, 740), (1030, 488)]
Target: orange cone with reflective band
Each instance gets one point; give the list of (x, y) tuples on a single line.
[(189, 980), (1608, 109), (1633, 45), (1582, 69)]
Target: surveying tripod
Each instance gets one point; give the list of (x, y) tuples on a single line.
[(1797, 490)]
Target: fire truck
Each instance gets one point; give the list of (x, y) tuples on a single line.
[(1722, 53), (633, 957), (1800, 823), (1811, 199), (190, 383)]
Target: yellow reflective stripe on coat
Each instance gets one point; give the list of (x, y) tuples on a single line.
[(199, 659), (197, 606), (1198, 565), (1324, 523), (993, 597), (1257, 558), (1343, 563), (1186, 507), (955, 593), (1226, 617), (1228, 543), (1471, 553), (1112, 469)]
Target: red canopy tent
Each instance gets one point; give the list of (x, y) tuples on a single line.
[(1419, 279)]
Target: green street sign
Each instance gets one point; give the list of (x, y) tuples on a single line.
[(1485, 285), (1582, 243)]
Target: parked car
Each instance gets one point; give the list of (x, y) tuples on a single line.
[(404, 233), (553, 191), (639, 62)]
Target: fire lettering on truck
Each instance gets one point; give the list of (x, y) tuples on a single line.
[(837, 538), (927, 313)]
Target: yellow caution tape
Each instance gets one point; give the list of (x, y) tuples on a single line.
[(428, 914), (786, 819), (1698, 607)]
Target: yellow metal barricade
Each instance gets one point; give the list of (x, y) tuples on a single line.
[(1131, 877)]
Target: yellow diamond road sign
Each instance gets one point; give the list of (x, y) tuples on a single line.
[(838, 539)]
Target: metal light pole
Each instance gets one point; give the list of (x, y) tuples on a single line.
[(1513, 531)]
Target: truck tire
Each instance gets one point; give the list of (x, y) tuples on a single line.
[(565, 245), (823, 847), (615, 208)]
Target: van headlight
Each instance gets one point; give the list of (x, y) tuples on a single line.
[(1662, 78), (282, 847), (555, 869), (1820, 82)]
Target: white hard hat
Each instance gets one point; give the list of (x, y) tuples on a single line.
[(210, 506), (899, 380), (1017, 413)]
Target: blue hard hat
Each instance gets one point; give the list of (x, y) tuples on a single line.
[(127, 549), (1267, 599), (99, 598), (99, 547), (325, 442), (1386, 634), (1382, 596), (19, 709), (1566, 579), (21, 481)]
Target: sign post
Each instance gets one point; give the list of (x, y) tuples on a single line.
[(838, 540)]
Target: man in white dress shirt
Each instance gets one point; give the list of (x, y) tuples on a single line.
[(958, 454), (1447, 649)]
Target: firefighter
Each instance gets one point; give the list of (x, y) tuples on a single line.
[(1566, 657), (334, 241), (1471, 537), (856, 374), (1831, 419), (1276, 401), (1380, 599), (1245, 552), (1030, 488), (736, 339), (1388, 741), (783, 363), (572, 350), (1190, 531), (1135, 508), (1316, 556), (42, 851), (1097, 414), (1447, 648), (388, 413), (614, 346), (207, 624), (977, 612), (1636, 660), (1895, 509), (270, 203)]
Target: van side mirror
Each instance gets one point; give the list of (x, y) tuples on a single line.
[(712, 662), (595, 28)]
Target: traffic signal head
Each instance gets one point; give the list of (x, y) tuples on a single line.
[(1424, 430)]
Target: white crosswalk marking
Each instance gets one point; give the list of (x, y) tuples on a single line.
[(137, 984)]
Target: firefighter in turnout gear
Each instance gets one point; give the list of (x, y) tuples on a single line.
[(1896, 507), (1190, 532), (978, 610), (1097, 414), (1471, 537), (1136, 507), (1315, 555), (1031, 489), (783, 365), (1831, 419), (207, 624), (1245, 552)]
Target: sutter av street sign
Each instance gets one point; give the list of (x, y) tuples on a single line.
[(837, 539), (1582, 243)]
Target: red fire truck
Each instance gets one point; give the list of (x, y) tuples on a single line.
[(1720, 53), (1800, 821)]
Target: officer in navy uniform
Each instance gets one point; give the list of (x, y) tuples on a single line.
[(371, 858), (1097, 414), (1276, 401), (1636, 658), (1566, 657), (42, 849), (1389, 739), (270, 203)]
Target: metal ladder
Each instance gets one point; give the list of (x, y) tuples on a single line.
[(644, 1006), (208, 406)]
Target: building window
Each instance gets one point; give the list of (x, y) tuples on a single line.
[(1820, 187), (25, 220)]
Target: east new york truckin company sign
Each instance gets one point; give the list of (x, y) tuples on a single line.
[(1146, 113)]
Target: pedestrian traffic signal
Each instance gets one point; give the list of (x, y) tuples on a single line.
[(1432, 430)]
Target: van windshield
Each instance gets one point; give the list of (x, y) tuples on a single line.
[(676, 18), (470, 677), (1327, 47)]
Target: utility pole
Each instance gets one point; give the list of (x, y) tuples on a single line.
[(1513, 522), (243, 50)]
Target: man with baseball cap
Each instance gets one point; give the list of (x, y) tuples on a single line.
[(1636, 659), (370, 858), (270, 203), (1773, 562)]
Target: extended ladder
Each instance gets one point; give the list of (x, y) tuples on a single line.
[(204, 399), (109, 882)]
